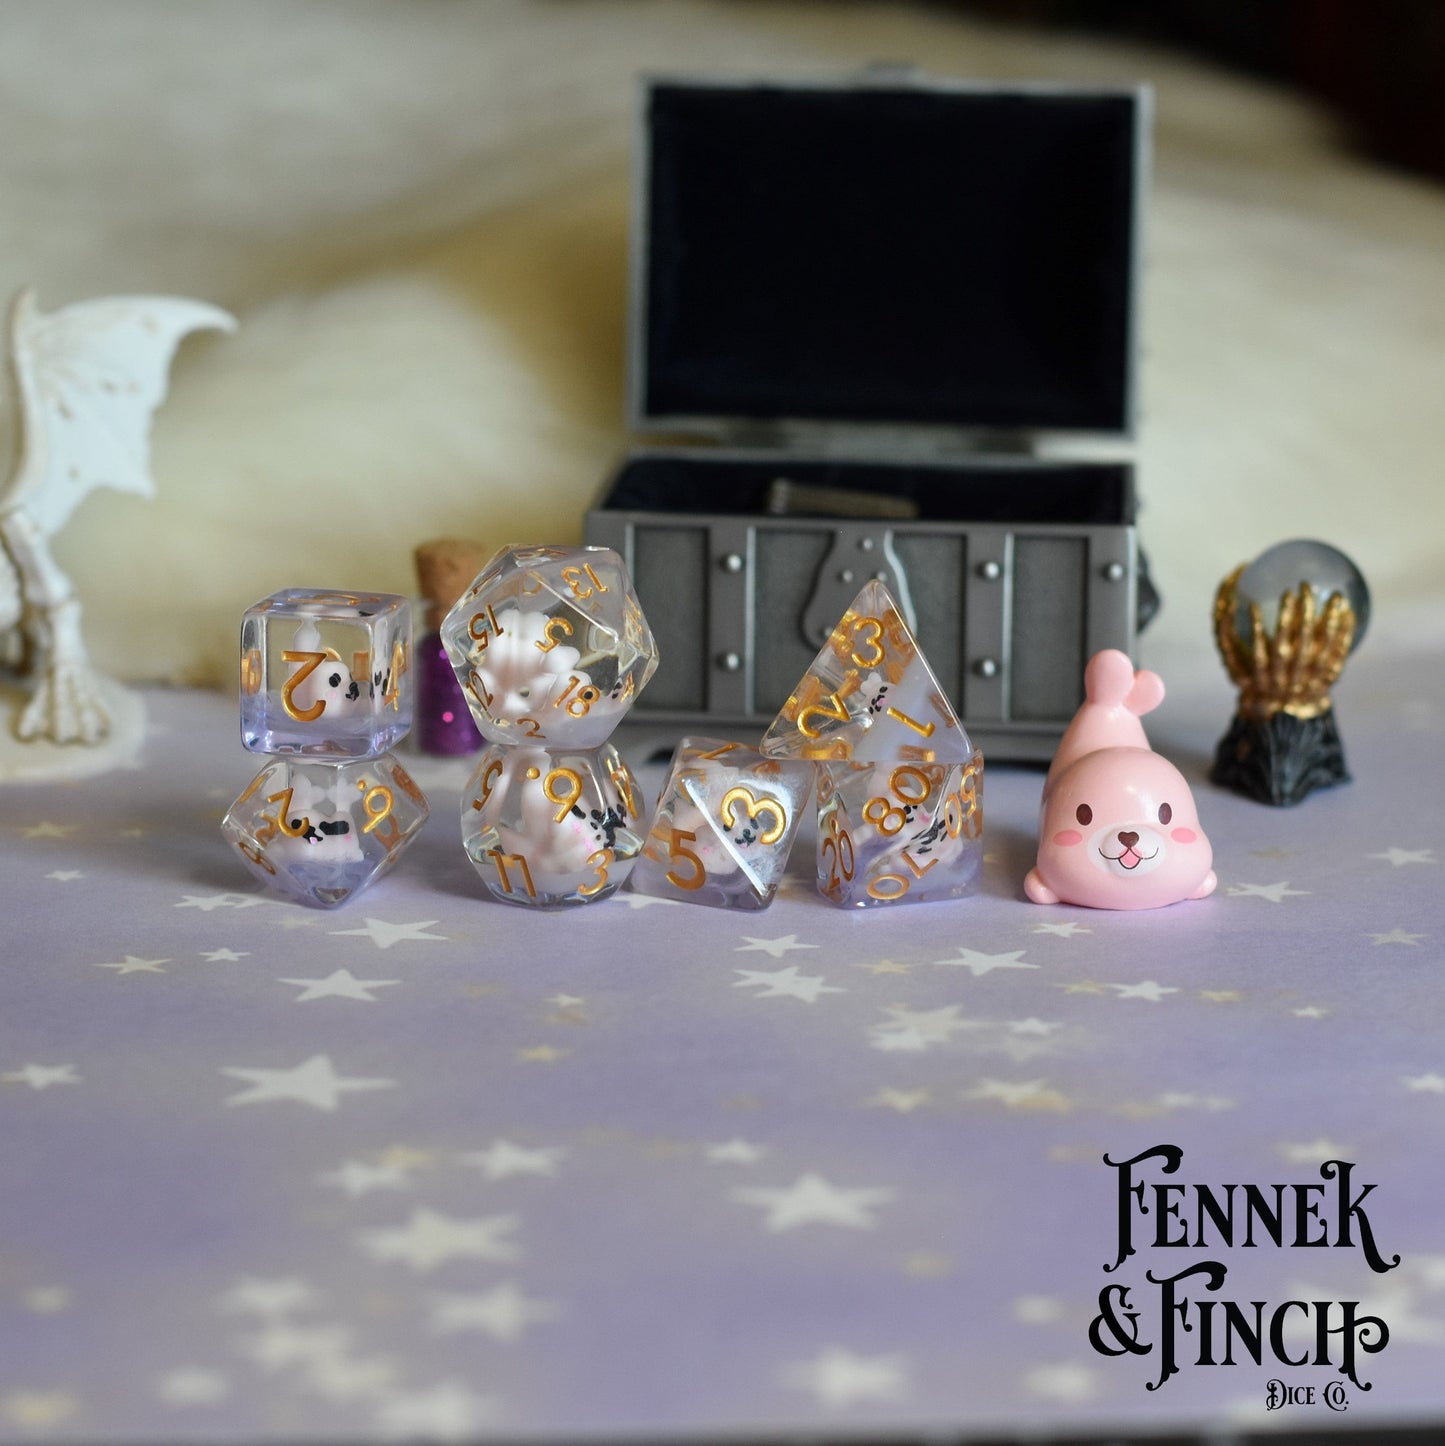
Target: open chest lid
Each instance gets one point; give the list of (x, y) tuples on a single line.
[(886, 255)]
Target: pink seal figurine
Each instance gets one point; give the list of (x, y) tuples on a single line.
[(1117, 829)]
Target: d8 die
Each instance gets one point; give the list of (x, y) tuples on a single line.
[(550, 646), (326, 673), (551, 826), (869, 695), (725, 825), (899, 832), (320, 832)]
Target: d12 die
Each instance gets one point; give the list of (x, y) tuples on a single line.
[(551, 826), (326, 673), (725, 825), (899, 832), (320, 832), (550, 646), (869, 696)]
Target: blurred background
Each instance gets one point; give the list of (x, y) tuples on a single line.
[(419, 214)]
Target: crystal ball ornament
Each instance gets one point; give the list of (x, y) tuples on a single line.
[(326, 688), (900, 786), (1284, 625), (326, 674), (551, 826), (726, 820), (550, 646), (317, 833)]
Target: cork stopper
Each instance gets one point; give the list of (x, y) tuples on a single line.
[(445, 569)]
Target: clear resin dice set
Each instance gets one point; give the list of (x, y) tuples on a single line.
[(326, 690), (551, 648)]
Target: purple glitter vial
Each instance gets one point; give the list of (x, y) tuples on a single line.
[(443, 723)]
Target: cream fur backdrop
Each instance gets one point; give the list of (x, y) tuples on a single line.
[(418, 213)]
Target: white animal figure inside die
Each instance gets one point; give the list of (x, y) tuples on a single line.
[(1118, 827)]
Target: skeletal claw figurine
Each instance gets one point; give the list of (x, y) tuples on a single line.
[(1117, 828)]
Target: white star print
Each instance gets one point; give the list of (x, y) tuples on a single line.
[(502, 1159), (904, 1101), (1032, 1026), (131, 965), (65, 876), (341, 984), (735, 1152), (812, 1200), (1398, 936), (1275, 893), (774, 947), (1038, 1309), (1399, 857), (223, 956), (430, 1238), (1033, 1093), (932, 1026), (1424, 1083), (207, 902), (267, 1297), (839, 1378), (1313, 1152), (349, 1378), (979, 964), (313, 1082), (357, 1178), (1067, 1381), (1066, 930), (384, 935), (47, 1299), (1145, 989), (42, 1076), (899, 1041), (47, 830), (192, 1386), (447, 1411), (284, 1343), (1311, 1011), (789, 982), (503, 1312), (1183, 1100)]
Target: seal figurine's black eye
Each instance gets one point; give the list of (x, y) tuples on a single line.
[(335, 680), (1084, 814), (1165, 813)]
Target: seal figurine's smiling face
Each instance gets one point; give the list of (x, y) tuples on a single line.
[(1119, 831)]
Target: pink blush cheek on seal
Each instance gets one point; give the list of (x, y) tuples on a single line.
[(1184, 836), (1069, 837)]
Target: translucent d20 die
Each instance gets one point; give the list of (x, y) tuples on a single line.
[(725, 825), (320, 832), (550, 646), (899, 832), (869, 696), (325, 673), (551, 826)]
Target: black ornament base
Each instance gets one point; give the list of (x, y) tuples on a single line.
[(1281, 759)]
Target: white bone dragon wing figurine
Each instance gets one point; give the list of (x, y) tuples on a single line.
[(88, 378)]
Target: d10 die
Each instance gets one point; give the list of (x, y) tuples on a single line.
[(899, 832), (725, 824), (554, 826), (550, 646), (320, 832), (869, 696), (326, 673)]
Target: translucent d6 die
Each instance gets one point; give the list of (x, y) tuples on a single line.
[(551, 826), (725, 824), (320, 832), (869, 696), (326, 673), (550, 646), (899, 832)]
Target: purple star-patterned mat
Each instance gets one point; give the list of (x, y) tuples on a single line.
[(431, 1167)]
